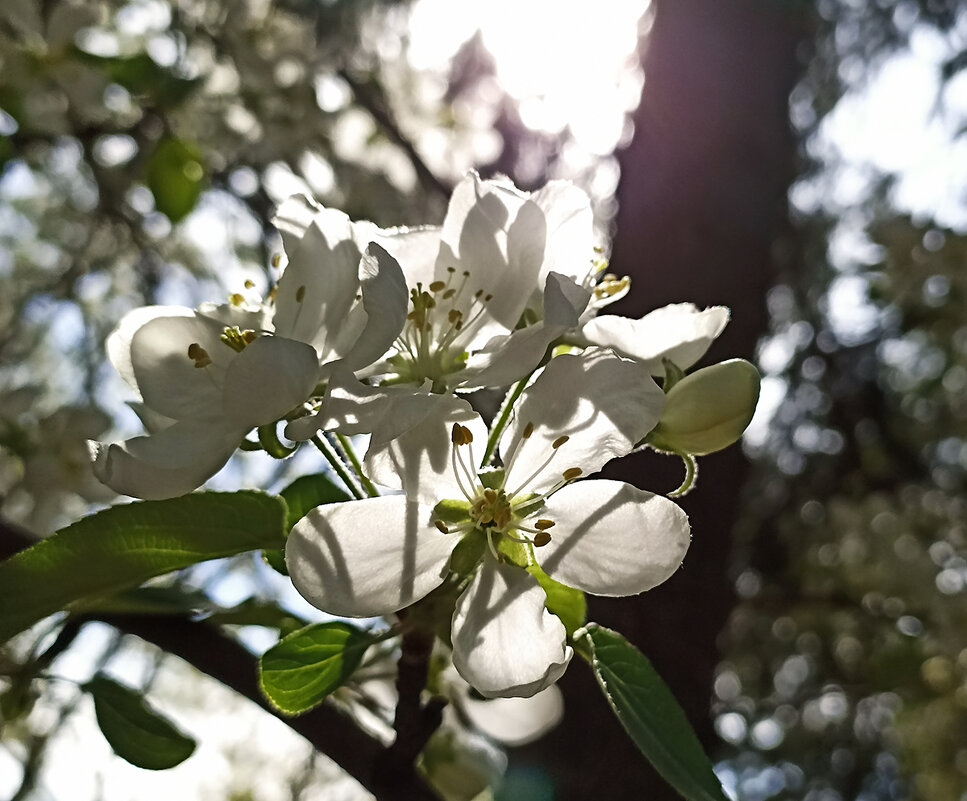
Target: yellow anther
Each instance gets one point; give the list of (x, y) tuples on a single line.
[(442, 526), (436, 286), (488, 297), (490, 495), (451, 269), (467, 435), (456, 433), (276, 259), (478, 293), (199, 355), (454, 315), (541, 538), (572, 473), (449, 293), (273, 292), (236, 299), (466, 273), (528, 430), (300, 294), (559, 441), (543, 524), (249, 336), (249, 283)]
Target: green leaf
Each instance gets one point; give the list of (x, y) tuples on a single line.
[(255, 612), (175, 176), (651, 715), (566, 602), (299, 671), (125, 545), (306, 493), (137, 732)]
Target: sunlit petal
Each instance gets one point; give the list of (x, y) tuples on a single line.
[(367, 558), (611, 538), (505, 642)]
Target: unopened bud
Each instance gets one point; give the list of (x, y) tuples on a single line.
[(708, 410)]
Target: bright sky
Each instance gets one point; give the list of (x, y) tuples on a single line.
[(567, 65)]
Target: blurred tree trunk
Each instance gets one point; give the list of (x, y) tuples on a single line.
[(702, 208)]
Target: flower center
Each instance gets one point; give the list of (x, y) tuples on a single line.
[(490, 506), (429, 346)]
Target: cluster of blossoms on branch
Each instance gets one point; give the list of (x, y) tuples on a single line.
[(388, 333)]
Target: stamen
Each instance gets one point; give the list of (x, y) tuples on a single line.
[(543, 524), (572, 473), (441, 526), (541, 539), (559, 441), (467, 435), (249, 283), (236, 299), (437, 286), (528, 430), (300, 294), (276, 259), (199, 355)]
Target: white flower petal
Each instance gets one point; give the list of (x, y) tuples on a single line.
[(516, 721), (505, 642), (293, 218), (319, 285), (495, 233), (564, 300), (418, 460), (166, 464), (679, 332), (570, 230), (119, 342), (167, 377), (385, 301), (416, 250), (507, 358), (367, 558), (611, 538), (603, 404), (268, 379)]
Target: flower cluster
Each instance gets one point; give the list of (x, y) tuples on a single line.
[(386, 333)]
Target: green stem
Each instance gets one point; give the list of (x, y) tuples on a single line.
[(691, 472), (337, 464), (501, 423), (347, 447)]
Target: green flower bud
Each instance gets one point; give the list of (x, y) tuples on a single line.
[(708, 410)]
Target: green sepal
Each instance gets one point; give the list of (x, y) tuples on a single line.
[(304, 667), (137, 732), (673, 374), (271, 444), (566, 602), (527, 504), (517, 553), (452, 510), (492, 479), (468, 553), (650, 714)]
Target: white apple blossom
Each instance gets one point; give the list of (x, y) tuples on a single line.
[(471, 283), (206, 377), (376, 556), (201, 387)]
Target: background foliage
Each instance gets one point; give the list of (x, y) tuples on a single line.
[(143, 146)]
